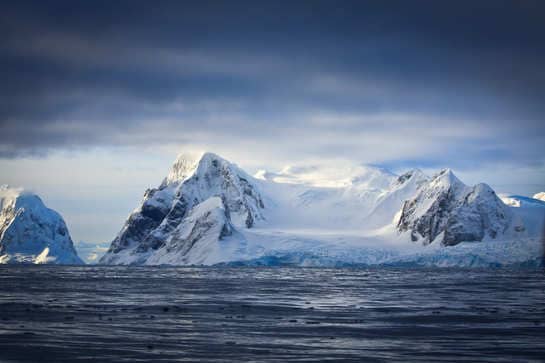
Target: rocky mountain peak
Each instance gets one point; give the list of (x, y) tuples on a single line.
[(446, 208), (189, 184), (446, 179)]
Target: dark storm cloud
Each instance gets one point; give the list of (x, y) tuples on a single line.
[(78, 74)]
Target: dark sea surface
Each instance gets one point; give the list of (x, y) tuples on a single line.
[(146, 314)]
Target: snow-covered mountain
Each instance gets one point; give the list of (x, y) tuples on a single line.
[(209, 211), (446, 209), (32, 233), (539, 196), (199, 199)]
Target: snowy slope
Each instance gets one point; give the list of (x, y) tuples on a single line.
[(32, 233), (209, 211), (528, 215), (539, 196), (390, 201), (344, 203), (364, 177)]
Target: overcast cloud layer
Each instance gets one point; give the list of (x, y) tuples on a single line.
[(399, 84)]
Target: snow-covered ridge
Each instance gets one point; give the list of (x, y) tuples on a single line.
[(32, 233), (209, 211), (336, 176)]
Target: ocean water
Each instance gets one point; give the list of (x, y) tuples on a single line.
[(146, 314)]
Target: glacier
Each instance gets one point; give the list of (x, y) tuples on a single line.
[(208, 211), (31, 233)]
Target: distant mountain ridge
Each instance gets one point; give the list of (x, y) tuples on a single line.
[(208, 210)]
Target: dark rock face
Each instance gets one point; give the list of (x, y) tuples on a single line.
[(141, 223), (433, 222), (480, 214), (155, 239), (446, 206), (403, 178)]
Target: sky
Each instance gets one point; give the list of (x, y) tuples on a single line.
[(97, 98)]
